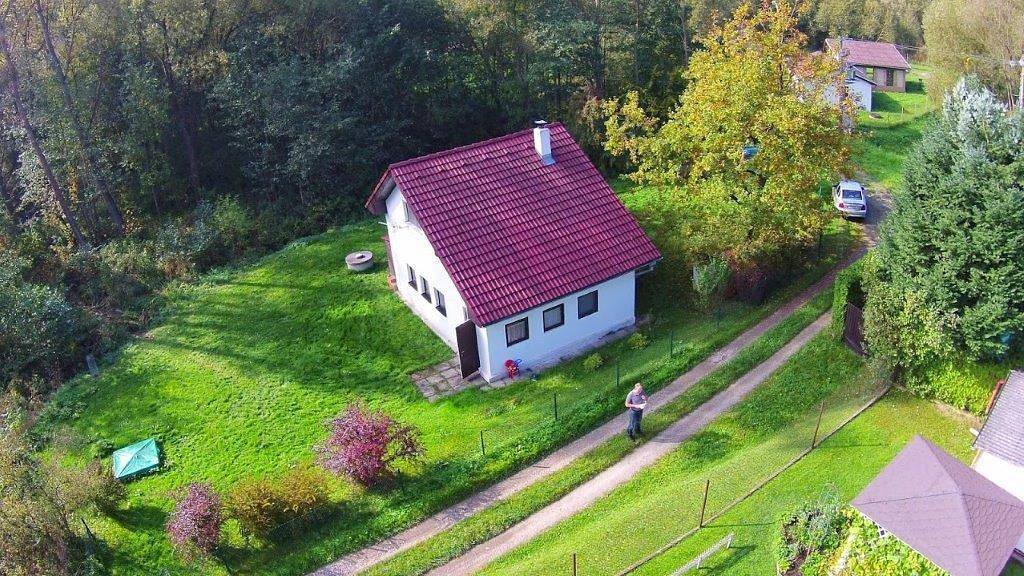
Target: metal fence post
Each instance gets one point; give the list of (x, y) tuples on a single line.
[(671, 342), (573, 564), (618, 380), (554, 400), (814, 441), (704, 505), (482, 451)]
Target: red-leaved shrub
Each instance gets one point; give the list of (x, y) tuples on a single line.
[(194, 526), (364, 444)]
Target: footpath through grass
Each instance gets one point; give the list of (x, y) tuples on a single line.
[(848, 460), (890, 130), (744, 446), (247, 365), (489, 523)]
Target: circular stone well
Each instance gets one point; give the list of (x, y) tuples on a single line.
[(359, 261)]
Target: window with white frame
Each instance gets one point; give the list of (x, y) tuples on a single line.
[(586, 304), (516, 332)]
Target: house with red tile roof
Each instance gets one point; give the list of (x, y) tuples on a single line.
[(514, 248), (881, 63)]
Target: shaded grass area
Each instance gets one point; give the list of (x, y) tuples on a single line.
[(848, 460), (748, 443), (489, 523), (249, 363), (891, 129)]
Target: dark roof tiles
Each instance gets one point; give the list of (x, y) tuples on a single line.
[(513, 233)]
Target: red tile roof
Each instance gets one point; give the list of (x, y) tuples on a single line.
[(512, 233), (868, 53), (952, 515)]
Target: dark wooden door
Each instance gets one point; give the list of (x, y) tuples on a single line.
[(469, 354), (853, 328)]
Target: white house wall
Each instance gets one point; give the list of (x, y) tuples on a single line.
[(615, 310), (860, 91), (1003, 473), (410, 247)]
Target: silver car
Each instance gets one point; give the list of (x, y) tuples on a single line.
[(850, 199)]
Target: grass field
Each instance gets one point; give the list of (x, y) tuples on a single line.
[(241, 374), (848, 461), (891, 129), (765, 431), (476, 529)]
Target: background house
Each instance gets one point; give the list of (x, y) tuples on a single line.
[(513, 248), (879, 62), (1000, 444)]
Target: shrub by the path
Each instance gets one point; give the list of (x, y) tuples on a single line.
[(365, 445)]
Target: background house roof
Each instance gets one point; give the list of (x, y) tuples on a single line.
[(1003, 433), (952, 515), (513, 233), (868, 53)]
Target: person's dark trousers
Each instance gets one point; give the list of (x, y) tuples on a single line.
[(634, 430)]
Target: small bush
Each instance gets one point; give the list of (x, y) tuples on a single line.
[(262, 506), (811, 533), (194, 525), (638, 341), (365, 445), (593, 362)]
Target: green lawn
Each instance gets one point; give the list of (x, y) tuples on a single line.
[(744, 446), (848, 460), (489, 523), (246, 366), (891, 129)]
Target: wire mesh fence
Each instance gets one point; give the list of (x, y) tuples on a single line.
[(695, 502)]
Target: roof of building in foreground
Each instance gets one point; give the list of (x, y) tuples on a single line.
[(944, 510)]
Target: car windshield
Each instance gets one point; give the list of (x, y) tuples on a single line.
[(854, 194)]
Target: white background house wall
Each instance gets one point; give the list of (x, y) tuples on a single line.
[(1005, 474), (615, 310), (409, 246), (860, 91)]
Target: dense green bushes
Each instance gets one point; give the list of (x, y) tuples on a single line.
[(948, 291), (811, 534)]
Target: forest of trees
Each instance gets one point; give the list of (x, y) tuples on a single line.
[(143, 141)]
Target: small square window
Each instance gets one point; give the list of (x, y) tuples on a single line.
[(554, 317), (439, 302), (587, 304), (424, 289), (407, 212), (516, 332), (412, 277)]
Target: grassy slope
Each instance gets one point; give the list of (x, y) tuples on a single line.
[(239, 378), (891, 130), (762, 433), (848, 460)]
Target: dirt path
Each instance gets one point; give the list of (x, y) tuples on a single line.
[(564, 456), (623, 470)]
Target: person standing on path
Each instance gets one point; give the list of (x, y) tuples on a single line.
[(636, 401)]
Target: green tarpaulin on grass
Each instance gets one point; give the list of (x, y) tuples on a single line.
[(136, 459)]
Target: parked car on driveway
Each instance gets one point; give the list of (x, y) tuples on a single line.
[(850, 198)]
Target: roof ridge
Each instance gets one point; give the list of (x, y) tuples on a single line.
[(975, 558), (465, 147)]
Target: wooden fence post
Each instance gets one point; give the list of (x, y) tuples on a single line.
[(704, 505), (573, 564), (814, 441)]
